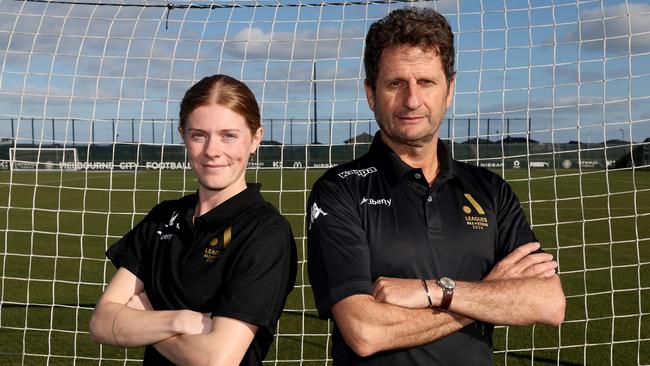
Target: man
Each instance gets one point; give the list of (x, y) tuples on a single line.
[(415, 255)]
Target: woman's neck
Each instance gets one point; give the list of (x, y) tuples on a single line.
[(209, 199)]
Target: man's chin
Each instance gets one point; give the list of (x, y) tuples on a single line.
[(408, 140)]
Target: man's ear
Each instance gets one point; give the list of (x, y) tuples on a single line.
[(370, 95), (450, 90)]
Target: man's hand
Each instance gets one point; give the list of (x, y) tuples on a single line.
[(523, 262), (404, 292)]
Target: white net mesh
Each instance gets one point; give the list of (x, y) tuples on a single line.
[(551, 95)]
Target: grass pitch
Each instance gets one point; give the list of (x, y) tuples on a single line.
[(56, 227)]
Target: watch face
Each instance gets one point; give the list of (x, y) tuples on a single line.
[(447, 283)]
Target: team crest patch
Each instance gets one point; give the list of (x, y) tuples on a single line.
[(474, 215), (217, 245)]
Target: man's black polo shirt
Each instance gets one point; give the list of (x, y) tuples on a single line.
[(377, 216), (237, 260)]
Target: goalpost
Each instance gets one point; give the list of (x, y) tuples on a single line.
[(44, 158), (552, 95)]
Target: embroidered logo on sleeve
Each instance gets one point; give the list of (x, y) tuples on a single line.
[(218, 245), (315, 212), (476, 218)]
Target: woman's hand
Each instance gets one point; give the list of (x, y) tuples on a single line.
[(139, 301), (191, 322), (187, 321)]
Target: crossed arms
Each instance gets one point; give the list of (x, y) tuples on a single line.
[(124, 317), (521, 289)]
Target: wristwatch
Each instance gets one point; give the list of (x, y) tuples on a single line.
[(448, 285)]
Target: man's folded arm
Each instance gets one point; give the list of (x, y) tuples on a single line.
[(369, 327), (521, 289)]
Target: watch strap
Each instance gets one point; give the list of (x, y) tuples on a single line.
[(447, 295)]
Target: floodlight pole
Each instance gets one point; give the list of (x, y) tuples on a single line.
[(488, 129), (315, 106)]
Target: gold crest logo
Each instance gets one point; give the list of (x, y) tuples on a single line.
[(478, 221), (214, 250)]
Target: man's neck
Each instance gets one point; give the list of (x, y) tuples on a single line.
[(424, 157)]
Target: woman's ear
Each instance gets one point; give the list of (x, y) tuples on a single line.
[(257, 139)]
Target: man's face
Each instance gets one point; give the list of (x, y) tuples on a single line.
[(411, 95)]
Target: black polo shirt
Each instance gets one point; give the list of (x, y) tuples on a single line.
[(377, 216), (237, 260)]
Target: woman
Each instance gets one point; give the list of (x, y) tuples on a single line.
[(203, 279)]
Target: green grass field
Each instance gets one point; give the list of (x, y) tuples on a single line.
[(56, 227)]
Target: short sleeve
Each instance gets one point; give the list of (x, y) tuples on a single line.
[(338, 251), (514, 229), (262, 277), (127, 252)]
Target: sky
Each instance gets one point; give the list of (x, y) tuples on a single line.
[(560, 70)]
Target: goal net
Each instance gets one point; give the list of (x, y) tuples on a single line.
[(552, 95), (44, 158)]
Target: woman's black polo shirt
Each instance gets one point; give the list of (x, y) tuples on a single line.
[(377, 216), (237, 260)]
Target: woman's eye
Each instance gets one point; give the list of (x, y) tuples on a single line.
[(230, 137)]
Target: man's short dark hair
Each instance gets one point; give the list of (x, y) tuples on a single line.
[(416, 27)]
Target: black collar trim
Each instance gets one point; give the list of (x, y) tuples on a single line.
[(395, 168), (229, 209)]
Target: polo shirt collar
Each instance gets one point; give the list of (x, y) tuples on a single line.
[(395, 168), (232, 206)]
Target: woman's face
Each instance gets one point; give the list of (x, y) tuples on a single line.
[(219, 143)]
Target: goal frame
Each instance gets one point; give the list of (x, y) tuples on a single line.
[(16, 164)]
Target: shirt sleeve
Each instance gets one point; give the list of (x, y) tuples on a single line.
[(127, 252), (514, 229), (338, 251), (262, 278)]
